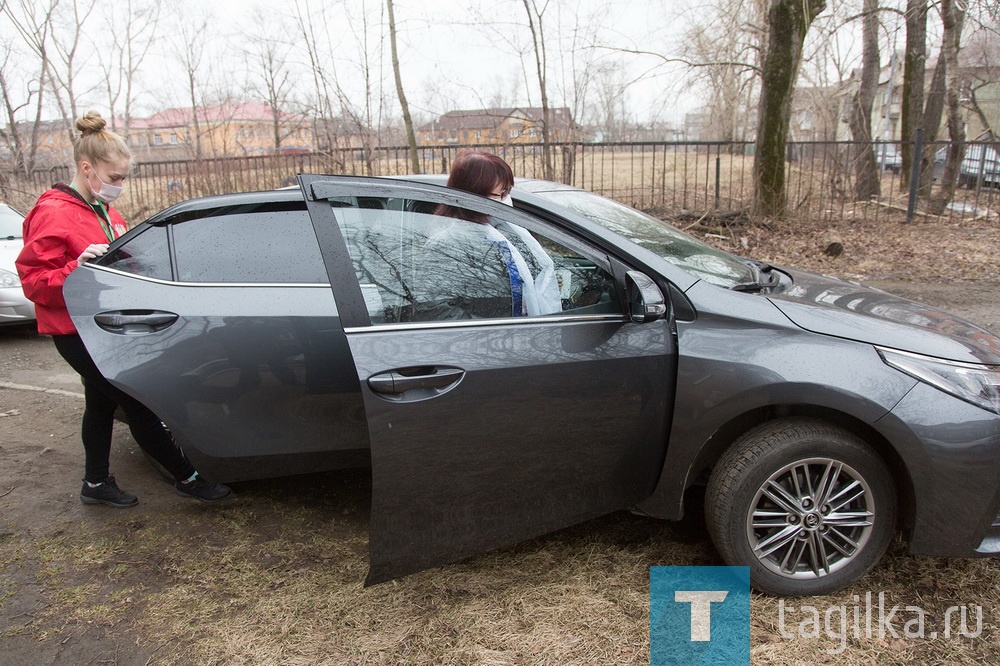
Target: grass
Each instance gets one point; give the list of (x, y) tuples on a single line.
[(276, 578)]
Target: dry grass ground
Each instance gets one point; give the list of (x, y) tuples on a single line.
[(274, 576)]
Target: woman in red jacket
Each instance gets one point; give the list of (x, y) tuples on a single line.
[(71, 224)]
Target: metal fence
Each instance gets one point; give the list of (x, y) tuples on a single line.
[(669, 178)]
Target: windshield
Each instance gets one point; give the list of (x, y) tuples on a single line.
[(677, 247), (10, 222)]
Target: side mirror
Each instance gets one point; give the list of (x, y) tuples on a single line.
[(645, 300)]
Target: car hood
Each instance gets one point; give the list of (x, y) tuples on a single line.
[(845, 309), (9, 250)]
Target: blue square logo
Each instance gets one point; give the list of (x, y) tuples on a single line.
[(699, 615)]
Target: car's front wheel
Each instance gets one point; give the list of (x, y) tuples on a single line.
[(808, 506)]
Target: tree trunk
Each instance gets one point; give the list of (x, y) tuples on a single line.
[(12, 136), (933, 110), (914, 63), (866, 180), (953, 18), (972, 103), (787, 24), (411, 137), (194, 115), (538, 43)]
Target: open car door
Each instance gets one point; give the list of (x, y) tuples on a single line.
[(507, 392)]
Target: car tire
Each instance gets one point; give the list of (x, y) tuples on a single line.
[(795, 541)]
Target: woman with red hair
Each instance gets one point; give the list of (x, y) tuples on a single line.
[(481, 173), (531, 270)]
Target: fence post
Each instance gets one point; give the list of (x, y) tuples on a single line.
[(917, 160), (718, 176)]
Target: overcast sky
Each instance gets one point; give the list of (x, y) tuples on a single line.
[(462, 53), (454, 53)]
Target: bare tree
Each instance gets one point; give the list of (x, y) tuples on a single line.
[(411, 138), (981, 67), (67, 40), (366, 116), (267, 50), (189, 49), (321, 69), (914, 65), (33, 22), (722, 50), (610, 108), (343, 115), (787, 24), (536, 25), (934, 107), (866, 182), (131, 29), (953, 18), (586, 71), (830, 72), (12, 138)]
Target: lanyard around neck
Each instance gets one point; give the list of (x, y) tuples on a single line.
[(105, 220)]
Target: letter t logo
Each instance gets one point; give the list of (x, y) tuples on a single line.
[(701, 610)]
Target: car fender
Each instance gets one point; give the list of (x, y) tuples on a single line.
[(740, 364)]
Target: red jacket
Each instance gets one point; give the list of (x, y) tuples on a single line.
[(57, 230)]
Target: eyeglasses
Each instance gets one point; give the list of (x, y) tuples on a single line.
[(499, 195)]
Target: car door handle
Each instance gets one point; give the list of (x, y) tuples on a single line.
[(397, 382), (131, 322)]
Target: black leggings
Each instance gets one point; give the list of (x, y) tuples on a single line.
[(99, 415)]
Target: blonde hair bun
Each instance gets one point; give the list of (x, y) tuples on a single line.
[(96, 143), (90, 122)]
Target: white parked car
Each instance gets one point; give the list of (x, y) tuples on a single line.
[(981, 165), (14, 307)]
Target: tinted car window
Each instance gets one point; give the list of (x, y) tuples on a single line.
[(145, 254), (268, 246), (416, 265)]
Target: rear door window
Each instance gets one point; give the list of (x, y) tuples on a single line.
[(249, 247)]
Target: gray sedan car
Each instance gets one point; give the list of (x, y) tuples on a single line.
[(545, 364)]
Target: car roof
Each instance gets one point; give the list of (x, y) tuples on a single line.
[(292, 196)]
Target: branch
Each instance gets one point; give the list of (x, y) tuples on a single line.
[(682, 61)]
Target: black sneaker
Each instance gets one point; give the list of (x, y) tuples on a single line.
[(202, 489), (107, 492)]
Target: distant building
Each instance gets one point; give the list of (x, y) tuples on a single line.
[(223, 130), (497, 126), (54, 148), (979, 88), (817, 114), (982, 90), (336, 134), (696, 125)]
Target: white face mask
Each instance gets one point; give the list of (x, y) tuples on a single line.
[(107, 193), (507, 200)]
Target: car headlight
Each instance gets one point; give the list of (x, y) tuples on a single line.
[(978, 384), (8, 279)]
